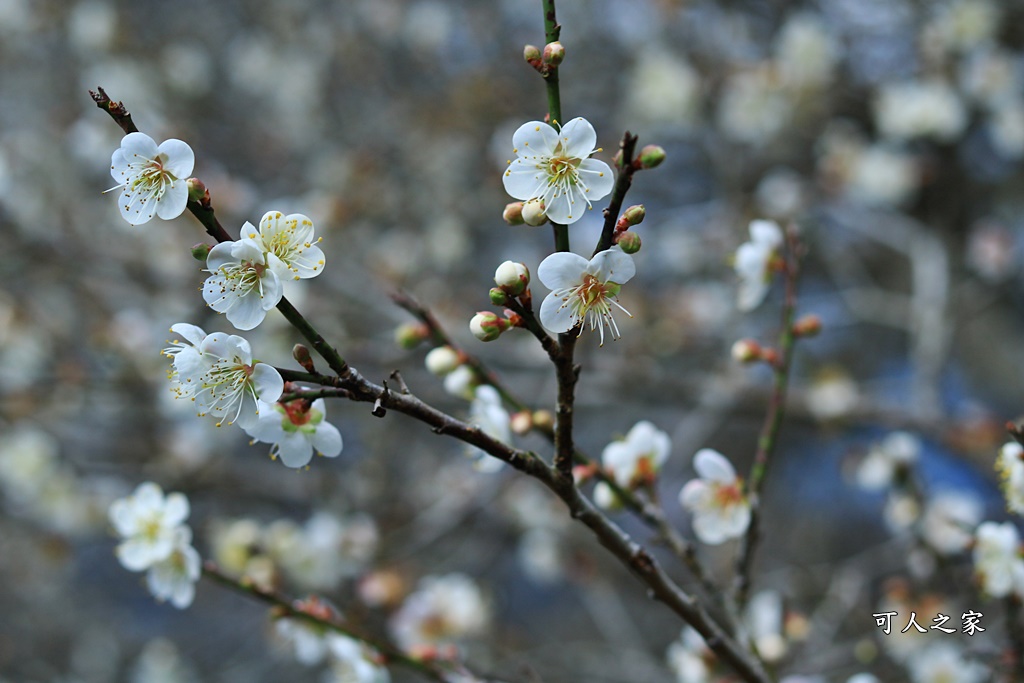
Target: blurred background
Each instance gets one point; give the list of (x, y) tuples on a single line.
[(890, 131)]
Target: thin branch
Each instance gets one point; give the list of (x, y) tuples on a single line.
[(768, 438), (623, 181)]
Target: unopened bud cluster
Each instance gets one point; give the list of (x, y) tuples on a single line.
[(547, 60), (628, 240)]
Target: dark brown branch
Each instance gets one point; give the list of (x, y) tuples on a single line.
[(623, 181)]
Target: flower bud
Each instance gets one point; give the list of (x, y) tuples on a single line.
[(301, 355), (534, 212), (201, 251), (512, 277), (531, 53), (605, 498), (498, 296), (543, 420), (634, 215), (651, 156), (197, 191), (522, 422), (807, 326), (746, 351), (487, 326), (629, 241), (442, 360), (411, 335), (513, 213), (554, 53)]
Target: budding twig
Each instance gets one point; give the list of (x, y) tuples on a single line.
[(623, 181)]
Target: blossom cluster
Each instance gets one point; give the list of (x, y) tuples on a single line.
[(156, 540)]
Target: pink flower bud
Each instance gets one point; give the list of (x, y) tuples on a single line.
[(807, 326), (746, 351), (487, 326), (554, 53), (513, 213)]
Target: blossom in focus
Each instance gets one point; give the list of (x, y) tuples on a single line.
[(583, 291), (174, 577), (879, 468), (147, 521), (245, 281), (290, 239), (719, 507), (637, 458), (555, 167), (488, 413), (1010, 465), (152, 177), (221, 376), (295, 429), (752, 263), (442, 611), (997, 559)]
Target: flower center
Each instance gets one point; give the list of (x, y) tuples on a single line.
[(562, 170), (224, 387), (728, 495)]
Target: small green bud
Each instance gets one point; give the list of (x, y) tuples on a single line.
[(197, 191), (487, 326), (629, 241), (513, 278), (410, 335), (554, 53), (651, 156), (498, 296), (634, 215), (513, 213), (534, 212), (301, 355), (201, 251)]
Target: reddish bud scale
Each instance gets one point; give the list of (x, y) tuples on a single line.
[(807, 326)]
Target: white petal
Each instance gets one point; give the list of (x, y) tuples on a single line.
[(713, 466), (220, 256), (578, 138), (612, 265), (565, 208), (525, 179), (267, 382), (247, 249), (180, 158), (312, 262), (709, 529), (273, 290), (295, 450), (174, 201), (303, 227), (176, 509), (118, 166), (561, 270), (135, 145), (327, 440), (598, 178), (244, 312), (555, 316), (136, 213), (193, 334), (534, 139), (695, 495), (766, 233)]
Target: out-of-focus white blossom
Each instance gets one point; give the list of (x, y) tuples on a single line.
[(296, 429), (1006, 128), (832, 394), (663, 88), (460, 382), (997, 559), (945, 663), (442, 360), (352, 662), (638, 457), (555, 167), (488, 413), (309, 641), (324, 551), (919, 109), (442, 611), (752, 264), (153, 178), (1010, 465), (990, 76), (896, 451), (753, 107), (883, 176), (764, 621), (805, 52), (584, 291), (949, 520), (719, 507), (965, 24), (173, 578), (781, 193), (689, 658), (161, 662), (147, 522), (991, 250)]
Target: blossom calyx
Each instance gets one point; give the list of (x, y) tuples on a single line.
[(513, 278), (628, 241), (553, 54), (651, 156), (513, 213), (534, 212), (487, 326), (498, 296)]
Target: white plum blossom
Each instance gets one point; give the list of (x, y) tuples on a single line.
[(245, 281), (555, 167), (310, 641), (488, 413), (690, 658), (153, 177), (881, 175), (352, 662), (637, 458), (442, 611), (752, 263), (296, 429), (220, 376), (945, 663), (1010, 465), (948, 521), (584, 291), (290, 239), (920, 109), (997, 559), (719, 507), (753, 108), (147, 521), (460, 382), (805, 52), (173, 578), (764, 619), (896, 451)]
